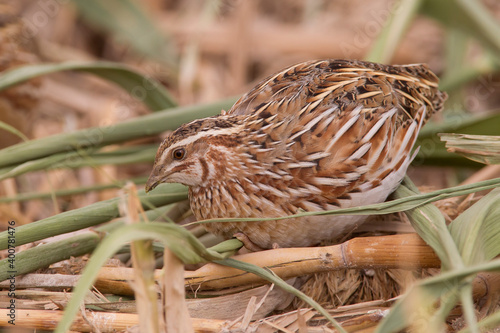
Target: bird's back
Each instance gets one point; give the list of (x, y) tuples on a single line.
[(330, 134), (347, 82)]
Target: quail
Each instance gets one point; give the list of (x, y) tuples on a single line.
[(319, 135)]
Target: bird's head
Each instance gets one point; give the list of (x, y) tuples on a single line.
[(195, 153)]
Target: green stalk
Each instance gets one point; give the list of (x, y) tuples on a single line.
[(442, 286), (154, 95), (45, 255), (11, 129), (398, 205), (489, 323), (41, 164), (394, 29), (130, 22), (431, 226), (271, 277), (470, 16), (468, 307), (100, 136), (140, 155), (72, 191), (89, 216)]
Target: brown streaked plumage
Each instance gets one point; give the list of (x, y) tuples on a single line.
[(319, 135)]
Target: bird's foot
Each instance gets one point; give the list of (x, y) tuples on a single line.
[(247, 243)]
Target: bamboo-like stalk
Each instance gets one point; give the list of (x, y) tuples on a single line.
[(397, 251), (99, 136), (104, 321), (39, 319), (89, 216), (44, 255), (72, 191), (78, 159)]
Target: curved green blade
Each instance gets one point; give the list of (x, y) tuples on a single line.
[(150, 91)]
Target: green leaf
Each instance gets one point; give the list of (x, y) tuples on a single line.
[(480, 148), (458, 76), (44, 255), (431, 226), (90, 215), (487, 324), (184, 245), (469, 16), (477, 231), (180, 241), (128, 22), (13, 130), (472, 238), (150, 91), (433, 151), (271, 277), (420, 299), (386, 43)]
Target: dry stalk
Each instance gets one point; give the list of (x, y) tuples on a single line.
[(143, 263), (174, 300), (397, 251), (104, 321)]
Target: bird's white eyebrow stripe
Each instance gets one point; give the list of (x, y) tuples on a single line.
[(190, 139)]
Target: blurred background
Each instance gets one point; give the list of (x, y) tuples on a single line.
[(208, 53), (203, 51)]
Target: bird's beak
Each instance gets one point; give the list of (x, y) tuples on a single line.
[(150, 185), (153, 181)]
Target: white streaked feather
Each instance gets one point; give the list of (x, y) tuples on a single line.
[(330, 181), (376, 154), (361, 151), (354, 117), (299, 133), (301, 164), (269, 173), (271, 189), (277, 160), (295, 193), (264, 150), (312, 189), (368, 136), (316, 156), (311, 206), (410, 134), (251, 185), (329, 120)]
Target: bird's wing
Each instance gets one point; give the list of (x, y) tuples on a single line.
[(340, 126)]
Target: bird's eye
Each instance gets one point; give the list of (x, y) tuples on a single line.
[(179, 154)]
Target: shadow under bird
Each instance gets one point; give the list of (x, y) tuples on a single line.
[(319, 135)]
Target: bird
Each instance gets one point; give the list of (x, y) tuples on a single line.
[(316, 136)]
